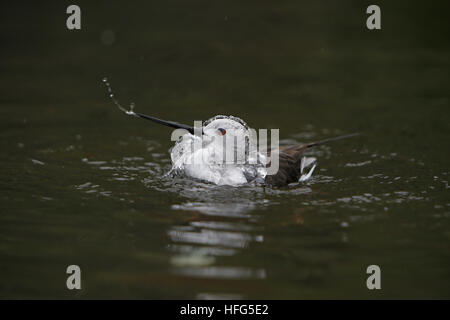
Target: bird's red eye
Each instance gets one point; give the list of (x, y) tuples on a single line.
[(222, 131)]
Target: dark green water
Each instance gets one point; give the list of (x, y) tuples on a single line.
[(81, 183)]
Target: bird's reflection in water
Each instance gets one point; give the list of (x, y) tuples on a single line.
[(222, 227)]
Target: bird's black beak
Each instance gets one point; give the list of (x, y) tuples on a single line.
[(171, 124)]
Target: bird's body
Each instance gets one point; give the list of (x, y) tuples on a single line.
[(211, 160)]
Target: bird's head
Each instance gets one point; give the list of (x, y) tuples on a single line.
[(226, 126)]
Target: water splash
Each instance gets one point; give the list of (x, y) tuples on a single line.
[(115, 101)]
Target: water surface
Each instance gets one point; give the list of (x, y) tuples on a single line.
[(81, 183)]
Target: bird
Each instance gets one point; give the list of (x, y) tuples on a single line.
[(200, 153)]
